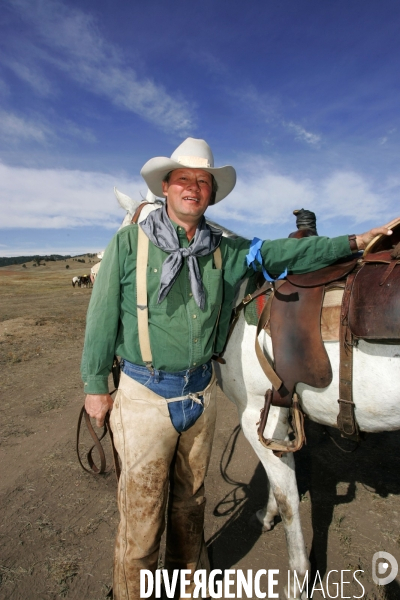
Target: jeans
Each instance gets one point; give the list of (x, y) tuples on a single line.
[(183, 413)]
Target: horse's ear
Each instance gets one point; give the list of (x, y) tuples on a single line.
[(126, 202), (150, 197)]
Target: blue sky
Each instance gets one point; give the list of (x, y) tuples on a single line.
[(300, 96)]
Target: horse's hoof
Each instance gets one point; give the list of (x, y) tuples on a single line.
[(256, 524)]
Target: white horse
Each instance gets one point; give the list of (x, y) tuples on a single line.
[(376, 394)]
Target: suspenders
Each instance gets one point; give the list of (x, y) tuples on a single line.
[(141, 295)]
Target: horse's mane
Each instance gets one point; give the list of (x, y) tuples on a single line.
[(226, 232)]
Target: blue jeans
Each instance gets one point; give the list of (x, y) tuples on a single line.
[(183, 413)]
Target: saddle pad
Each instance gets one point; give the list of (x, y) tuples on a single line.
[(330, 316), (299, 353), (374, 311)]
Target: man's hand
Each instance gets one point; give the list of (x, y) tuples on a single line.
[(364, 239), (97, 406)]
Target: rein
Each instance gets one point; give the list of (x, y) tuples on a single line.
[(83, 415), (94, 469)]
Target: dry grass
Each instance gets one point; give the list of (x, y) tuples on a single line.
[(61, 571), (12, 575)]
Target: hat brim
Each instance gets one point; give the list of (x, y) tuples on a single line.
[(154, 171)]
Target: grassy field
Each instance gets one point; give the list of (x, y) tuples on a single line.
[(58, 522)]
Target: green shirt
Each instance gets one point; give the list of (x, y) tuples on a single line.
[(181, 335)]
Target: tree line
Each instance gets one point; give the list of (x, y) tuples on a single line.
[(5, 261)]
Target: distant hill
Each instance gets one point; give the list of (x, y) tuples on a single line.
[(5, 261)]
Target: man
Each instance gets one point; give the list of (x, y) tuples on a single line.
[(166, 315)]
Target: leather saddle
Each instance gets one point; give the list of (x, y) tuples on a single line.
[(295, 325), (370, 310)]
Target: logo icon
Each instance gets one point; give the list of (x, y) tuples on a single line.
[(384, 568)]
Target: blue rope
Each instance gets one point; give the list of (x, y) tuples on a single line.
[(254, 257)]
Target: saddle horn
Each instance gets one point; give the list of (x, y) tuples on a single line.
[(306, 222)]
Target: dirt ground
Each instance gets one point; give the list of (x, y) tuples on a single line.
[(58, 522)]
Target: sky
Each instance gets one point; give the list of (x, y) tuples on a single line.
[(300, 96)]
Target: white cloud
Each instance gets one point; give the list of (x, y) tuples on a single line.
[(349, 194), (4, 88), (53, 199), (70, 41), (56, 198), (266, 105), (393, 184), (265, 199), (384, 139), (303, 135), (32, 75), (270, 107), (69, 128), (15, 128), (270, 199), (208, 60)]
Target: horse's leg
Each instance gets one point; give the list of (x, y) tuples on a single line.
[(283, 493), (266, 516)]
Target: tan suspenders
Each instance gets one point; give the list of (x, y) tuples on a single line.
[(141, 295), (218, 258)]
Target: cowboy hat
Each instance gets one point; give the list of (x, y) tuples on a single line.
[(192, 154)]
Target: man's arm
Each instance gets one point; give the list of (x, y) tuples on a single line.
[(102, 324), (312, 253)]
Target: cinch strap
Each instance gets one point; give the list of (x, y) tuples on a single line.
[(254, 256), (141, 295)]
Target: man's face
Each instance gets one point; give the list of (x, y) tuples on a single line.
[(188, 194)]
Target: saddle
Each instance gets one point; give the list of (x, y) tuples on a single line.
[(295, 324), (370, 309)]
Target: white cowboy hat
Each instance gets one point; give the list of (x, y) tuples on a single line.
[(192, 154)]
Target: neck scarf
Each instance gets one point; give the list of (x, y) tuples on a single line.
[(160, 231)]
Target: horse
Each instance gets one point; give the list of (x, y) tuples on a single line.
[(375, 366), (85, 281), (76, 281)]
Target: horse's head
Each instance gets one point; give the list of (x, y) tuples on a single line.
[(131, 205)]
